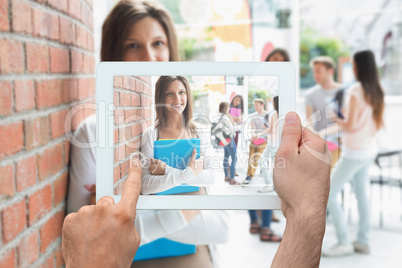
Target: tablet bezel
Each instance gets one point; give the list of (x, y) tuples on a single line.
[(105, 71)]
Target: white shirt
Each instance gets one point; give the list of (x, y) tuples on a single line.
[(209, 227), (173, 177)]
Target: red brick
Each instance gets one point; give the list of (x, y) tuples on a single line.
[(76, 62), (74, 8), (124, 168), (90, 41), (7, 260), (36, 132), (6, 98), (115, 99), (59, 60), (119, 116), (21, 12), (12, 139), (60, 188), (45, 24), (86, 88), (14, 220), (51, 230), (24, 95), (7, 180), (120, 152), (66, 152), (116, 173), (48, 93), (67, 31), (4, 25), (86, 17), (69, 90), (57, 121), (11, 56), (28, 249), (40, 203), (136, 100), (125, 99), (81, 37), (26, 173), (89, 63), (37, 58), (50, 161), (118, 82), (58, 4), (116, 136)]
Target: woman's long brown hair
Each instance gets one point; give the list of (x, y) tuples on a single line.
[(366, 74), (160, 95), (119, 21)]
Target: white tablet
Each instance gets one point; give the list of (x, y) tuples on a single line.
[(126, 93)]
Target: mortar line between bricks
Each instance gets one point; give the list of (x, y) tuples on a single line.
[(49, 251), (28, 115), (38, 150), (54, 11), (42, 41), (86, 3), (32, 189), (43, 76), (36, 226)]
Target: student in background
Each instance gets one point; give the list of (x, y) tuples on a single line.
[(317, 98), (236, 112), (364, 107), (174, 112), (270, 150), (265, 231), (230, 149), (257, 143)]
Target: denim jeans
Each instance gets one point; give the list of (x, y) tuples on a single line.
[(267, 164), (356, 171), (266, 216), (230, 150)]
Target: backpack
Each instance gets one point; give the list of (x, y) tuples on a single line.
[(221, 134)]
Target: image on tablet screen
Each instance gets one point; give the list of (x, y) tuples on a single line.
[(188, 130)]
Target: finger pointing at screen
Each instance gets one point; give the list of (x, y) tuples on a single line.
[(104, 229)]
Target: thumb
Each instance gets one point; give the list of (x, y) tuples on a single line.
[(192, 160), (291, 134)]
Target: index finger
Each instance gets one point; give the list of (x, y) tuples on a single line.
[(132, 187)]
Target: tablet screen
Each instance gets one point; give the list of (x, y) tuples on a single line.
[(225, 118)]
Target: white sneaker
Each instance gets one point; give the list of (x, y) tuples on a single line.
[(361, 248), (266, 189), (338, 250)]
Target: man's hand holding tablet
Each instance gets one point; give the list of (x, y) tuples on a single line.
[(104, 235)]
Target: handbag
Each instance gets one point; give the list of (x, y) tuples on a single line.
[(221, 134)]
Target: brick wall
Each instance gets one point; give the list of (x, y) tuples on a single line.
[(46, 67), (132, 98)]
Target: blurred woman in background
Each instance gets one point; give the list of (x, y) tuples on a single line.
[(363, 111)]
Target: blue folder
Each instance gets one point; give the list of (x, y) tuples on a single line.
[(177, 154), (163, 248)]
